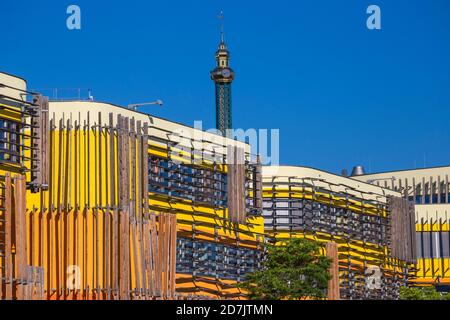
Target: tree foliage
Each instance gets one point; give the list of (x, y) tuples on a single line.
[(295, 269), (422, 293)]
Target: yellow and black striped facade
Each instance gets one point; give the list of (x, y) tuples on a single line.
[(358, 217), (103, 202), (117, 204), (429, 190)]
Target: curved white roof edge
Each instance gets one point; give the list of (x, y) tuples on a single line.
[(78, 111), (282, 173), (12, 81)]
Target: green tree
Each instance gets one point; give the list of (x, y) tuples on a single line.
[(421, 293), (295, 269)]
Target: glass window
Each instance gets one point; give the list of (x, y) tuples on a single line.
[(188, 182), (445, 244), (214, 259), (435, 245), (10, 141), (418, 199), (424, 244)]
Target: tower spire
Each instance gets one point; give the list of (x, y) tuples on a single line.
[(223, 76)]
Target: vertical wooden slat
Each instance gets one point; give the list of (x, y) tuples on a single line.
[(99, 208), (424, 190), (60, 207), (127, 241), (173, 255), (68, 208), (333, 284), (158, 252), (167, 254), (23, 238), (133, 215), (88, 207), (236, 183), (36, 142), (45, 142), (145, 167), (77, 175), (150, 234), (431, 190), (147, 252), (121, 205), (51, 205), (231, 160), (8, 239), (242, 206), (258, 184), (106, 221), (412, 232), (85, 211), (439, 189), (17, 232), (447, 189), (406, 192), (22, 219), (124, 217), (156, 256), (140, 198), (114, 247)]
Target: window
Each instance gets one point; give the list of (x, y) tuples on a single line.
[(311, 216), (187, 182), (445, 244), (10, 148), (214, 259), (433, 244)]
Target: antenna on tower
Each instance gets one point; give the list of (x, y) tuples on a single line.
[(221, 17)]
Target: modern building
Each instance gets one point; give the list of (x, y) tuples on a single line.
[(429, 189), (370, 225), (98, 201), (125, 205)]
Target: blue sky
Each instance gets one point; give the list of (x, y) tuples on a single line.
[(339, 93)]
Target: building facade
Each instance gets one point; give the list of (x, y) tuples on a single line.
[(21, 150), (102, 202), (375, 255), (429, 189), (122, 205)]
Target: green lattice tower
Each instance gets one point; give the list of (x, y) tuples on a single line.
[(223, 76)]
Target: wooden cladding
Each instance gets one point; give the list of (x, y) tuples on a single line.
[(402, 225), (258, 185), (18, 279), (91, 234), (236, 184), (39, 145), (166, 260), (333, 284)]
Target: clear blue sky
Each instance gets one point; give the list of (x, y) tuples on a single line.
[(339, 93)]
